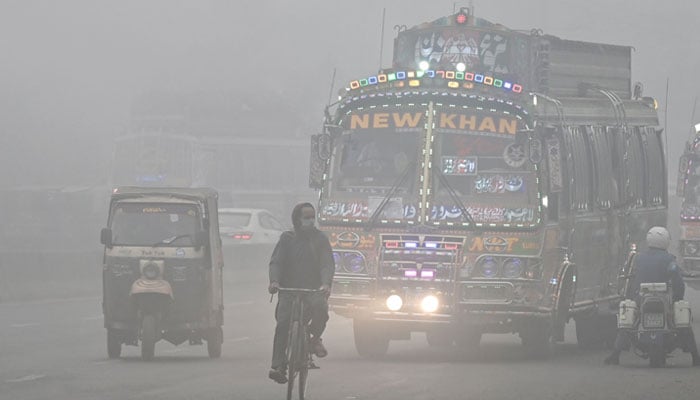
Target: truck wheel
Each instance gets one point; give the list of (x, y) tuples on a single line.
[(468, 340), (657, 357), (214, 341), (114, 344), (587, 334), (595, 331), (149, 335), (370, 341), (439, 337), (536, 338)]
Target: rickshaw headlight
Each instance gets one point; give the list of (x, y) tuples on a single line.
[(429, 304), (151, 271)]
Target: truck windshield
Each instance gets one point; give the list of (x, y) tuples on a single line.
[(373, 160), (487, 170), (154, 224)]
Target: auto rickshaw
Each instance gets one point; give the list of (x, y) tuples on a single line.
[(162, 269)]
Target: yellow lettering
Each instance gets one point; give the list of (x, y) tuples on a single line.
[(359, 121), (380, 120), (400, 120), (477, 244), (507, 126), (464, 121), (487, 125), (447, 121)]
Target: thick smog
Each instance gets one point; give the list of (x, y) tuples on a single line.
[(349, 200)]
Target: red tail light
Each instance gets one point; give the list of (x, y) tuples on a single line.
[(241, 235)]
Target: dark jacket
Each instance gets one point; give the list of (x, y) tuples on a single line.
[(302, 260), (657, 266)]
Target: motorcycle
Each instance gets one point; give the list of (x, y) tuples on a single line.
[(152, 297), (656, 325)]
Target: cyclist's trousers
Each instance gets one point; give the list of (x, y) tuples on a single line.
[(315, 307)]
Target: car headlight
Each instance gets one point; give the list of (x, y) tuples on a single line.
[(512, 268), (488, 267), (394, 302), (691, 248), (151, 271), (429, 304)]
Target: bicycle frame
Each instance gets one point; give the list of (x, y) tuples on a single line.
[(299, 358)]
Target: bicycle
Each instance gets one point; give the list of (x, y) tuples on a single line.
[(299, 358)]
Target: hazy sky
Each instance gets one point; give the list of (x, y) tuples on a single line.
[(69, 68)]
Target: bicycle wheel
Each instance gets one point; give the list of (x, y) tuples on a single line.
[(293, 358), (303, 361)]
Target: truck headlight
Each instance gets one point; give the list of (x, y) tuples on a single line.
[(429, 304), (394, 302), (512, 268), (488, 267)]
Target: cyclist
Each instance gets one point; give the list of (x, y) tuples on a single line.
[(302, 259)]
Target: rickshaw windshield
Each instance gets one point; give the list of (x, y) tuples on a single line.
[(151, 224)]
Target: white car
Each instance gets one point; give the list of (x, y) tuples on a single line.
[(249, 226)]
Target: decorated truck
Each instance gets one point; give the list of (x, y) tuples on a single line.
[(490, 181), (688, 190)]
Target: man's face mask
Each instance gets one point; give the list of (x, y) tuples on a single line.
[(307, 223)]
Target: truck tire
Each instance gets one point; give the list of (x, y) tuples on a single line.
[(370, 340), (439, 337), (468, 340), (536, 337), (594, 331)]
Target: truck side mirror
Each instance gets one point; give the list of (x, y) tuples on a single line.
[(318, 157), (106, 237), (683, 165)]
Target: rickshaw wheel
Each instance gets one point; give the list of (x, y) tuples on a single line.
[(148, 337), (114, 344), (214, 341)]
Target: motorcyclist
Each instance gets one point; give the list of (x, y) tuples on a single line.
[(656, 265), (303, 259)]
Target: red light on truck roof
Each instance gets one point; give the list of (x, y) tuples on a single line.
[(461, 18)]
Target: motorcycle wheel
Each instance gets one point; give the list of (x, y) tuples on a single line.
[(148, 337), (657, 357), (114, 344)]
